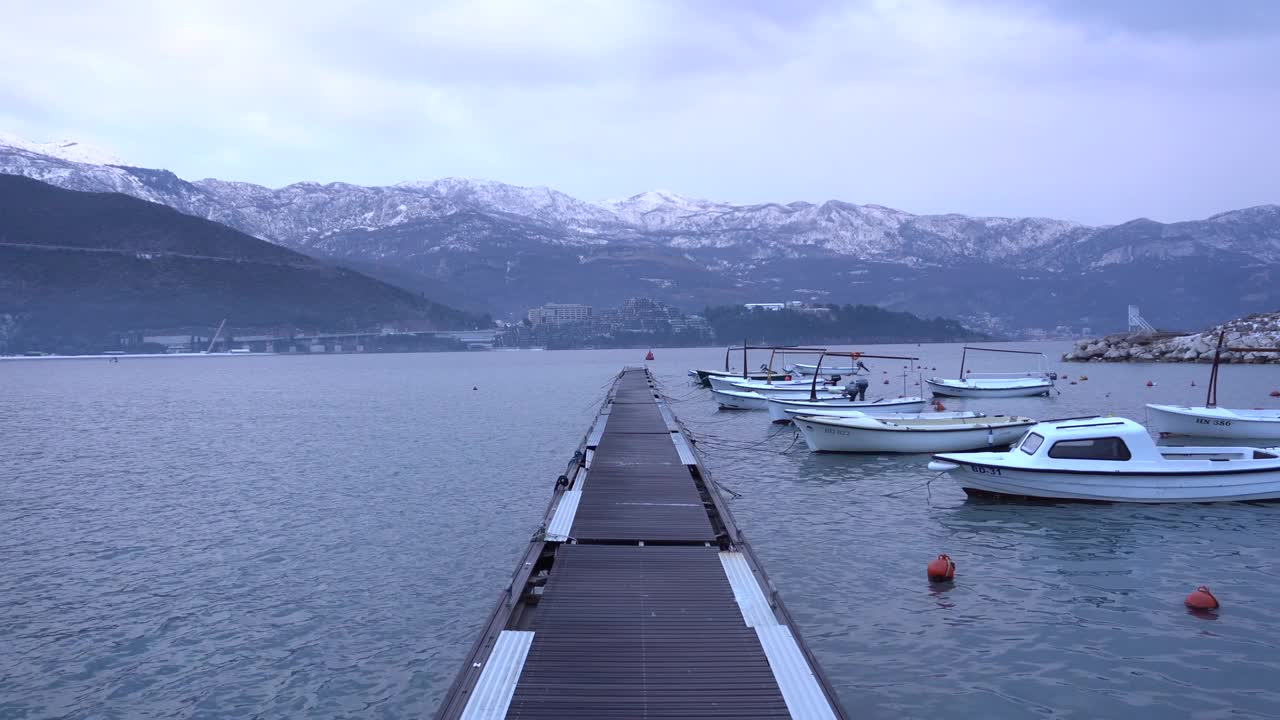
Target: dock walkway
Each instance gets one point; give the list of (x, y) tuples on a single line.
[(638, 598)]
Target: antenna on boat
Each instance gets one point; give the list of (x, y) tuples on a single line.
[(215, 336)]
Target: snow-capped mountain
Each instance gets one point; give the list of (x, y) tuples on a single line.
[(505, 246)]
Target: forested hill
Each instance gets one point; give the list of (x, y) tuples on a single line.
[(77, 269), (832, 325)]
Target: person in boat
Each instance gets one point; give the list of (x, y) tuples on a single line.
[(857, 389)]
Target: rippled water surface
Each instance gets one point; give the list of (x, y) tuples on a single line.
[(323, 536)]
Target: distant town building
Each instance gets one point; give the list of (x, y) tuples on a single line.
[(765, 306), (559, 314)]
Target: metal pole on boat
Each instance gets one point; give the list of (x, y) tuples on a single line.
[(813, 385), (1211, 397)]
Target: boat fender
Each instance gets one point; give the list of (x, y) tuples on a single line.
[(1202, 599), (941, 569), (940, 466)]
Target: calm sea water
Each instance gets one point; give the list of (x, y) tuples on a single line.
[(323, 536)]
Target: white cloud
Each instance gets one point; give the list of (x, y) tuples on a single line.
[(928, 105)]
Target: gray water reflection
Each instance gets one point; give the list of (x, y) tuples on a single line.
[(323, 537)]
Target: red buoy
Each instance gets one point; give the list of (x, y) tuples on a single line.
[(648, 355), (1275, 393), (937, 405), (886, 381), (942, 570), (1150, 384), (1200, 599)]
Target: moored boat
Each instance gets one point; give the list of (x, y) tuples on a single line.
[(1211, 421), (749, 400), (827, 370), (989, 387), (922, 434), (995, 385), (777, 381), (780, 407), (1215, 422), (1114, 460), (704, 376), (766, 371), (884, 414)]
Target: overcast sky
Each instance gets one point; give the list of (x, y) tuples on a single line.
[(1095, 111)]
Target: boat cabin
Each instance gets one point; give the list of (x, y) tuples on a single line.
[(1114, 439)]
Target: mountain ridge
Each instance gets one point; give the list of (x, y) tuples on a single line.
[(491, 236), (79, 271)]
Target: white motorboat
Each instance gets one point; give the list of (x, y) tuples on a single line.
[(748, 400), (922, 434), (1114, 460), (882, 414), (704, 376), (766, 371), (990, 387), (779, 407), (778, 381), (803, 369), (1215, 422), (995, 385), (1209, 420)]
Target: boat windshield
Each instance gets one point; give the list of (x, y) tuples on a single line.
[(1031, 443), (1104, 448)]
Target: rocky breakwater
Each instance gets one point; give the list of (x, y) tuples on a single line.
[(1254, 331)]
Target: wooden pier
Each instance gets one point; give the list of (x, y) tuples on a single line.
[(639, 597)]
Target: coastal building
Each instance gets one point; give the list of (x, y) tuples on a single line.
[(559, 314)]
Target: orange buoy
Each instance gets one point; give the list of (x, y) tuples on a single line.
[(1150, 384), (648, 355), (937, 405), (1073, 382), (886, 381), (942, 569), (1199, 599)]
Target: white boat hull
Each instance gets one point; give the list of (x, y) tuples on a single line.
[(779, 407), (826, 369), (1214, 422), (831, 438), (978, 389), (745, 400), (730, 383), (979, 479)]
